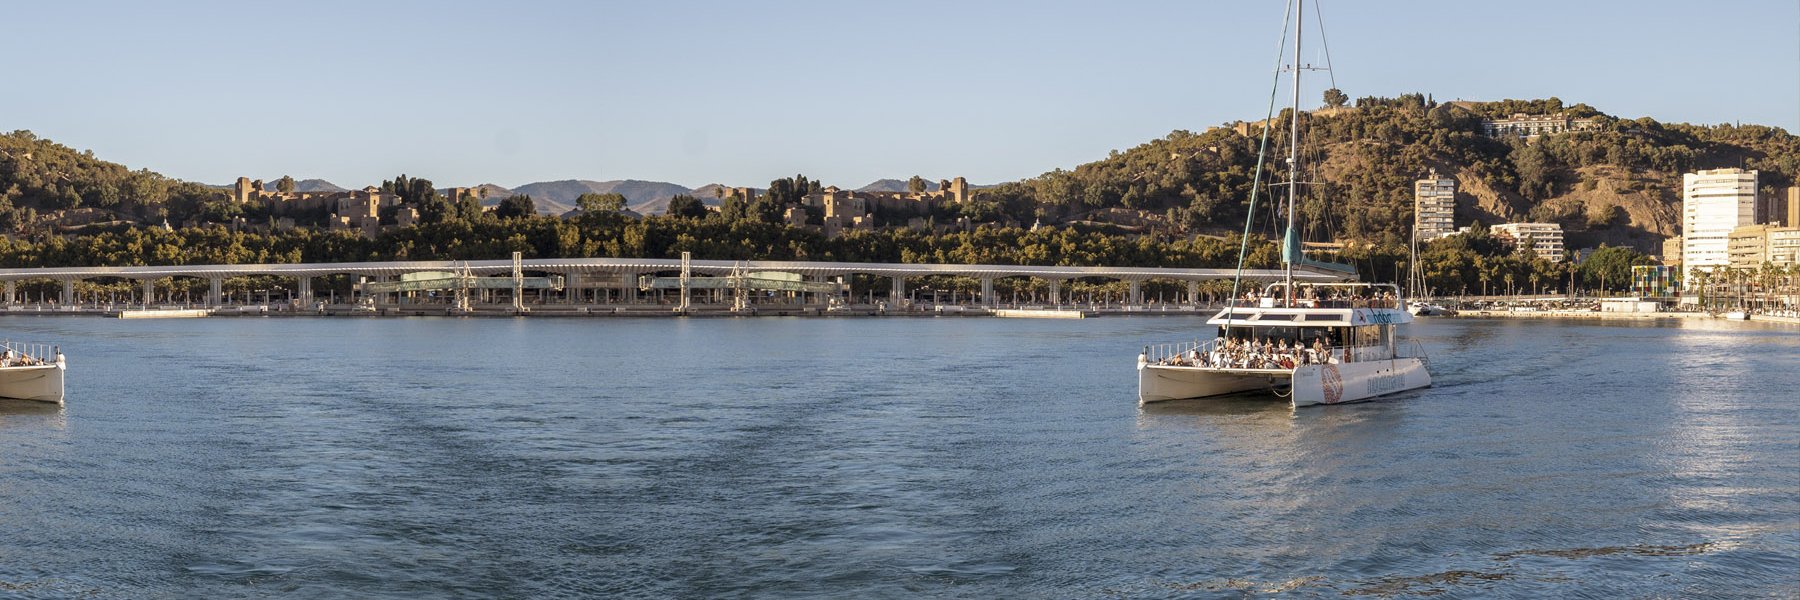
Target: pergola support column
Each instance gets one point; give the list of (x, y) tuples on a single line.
[(1056, 292), (149, 291), (215, 293), (1137, 293), (895, 294), (68, 292), (1193, 293), (987, 291), (12, 291)]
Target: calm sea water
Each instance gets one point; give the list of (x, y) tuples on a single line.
[(886, 458)]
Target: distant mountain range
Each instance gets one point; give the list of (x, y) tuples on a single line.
[(310, 185), (643, 197), (300, 185), (894, 185)]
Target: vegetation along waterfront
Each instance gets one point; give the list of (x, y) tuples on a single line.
[(1178, 201)]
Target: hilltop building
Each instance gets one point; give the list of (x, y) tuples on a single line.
[(794, 216), (1713, 203), (1529, 126), (1434, 207), (457, 193), (247, 191), (1544, 239), (848, 204), (358, 210)]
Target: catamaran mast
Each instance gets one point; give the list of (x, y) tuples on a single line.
[(1294, 154)]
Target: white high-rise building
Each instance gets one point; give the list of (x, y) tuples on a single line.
[(1714, 202), (1434, 207), (1544, 239)]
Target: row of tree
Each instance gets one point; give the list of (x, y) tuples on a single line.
[(1466, 264)]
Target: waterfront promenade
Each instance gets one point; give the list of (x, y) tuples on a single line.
[(610, 286)]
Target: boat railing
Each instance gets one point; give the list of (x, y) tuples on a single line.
[(27, 353), (1413, 349), (1321, 303), (1167, 354)]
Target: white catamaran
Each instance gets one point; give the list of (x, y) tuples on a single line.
[(31, 372), (1313, 343)]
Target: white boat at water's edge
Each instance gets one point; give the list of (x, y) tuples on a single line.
[(1322, 343), (1314, 351), (164, 313), (31, 372), (1422, 308)]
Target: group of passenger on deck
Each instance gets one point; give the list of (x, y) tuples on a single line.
[(14, 359), (1233, 353), (1328, 298)]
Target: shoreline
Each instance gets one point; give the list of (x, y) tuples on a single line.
[(618, 311), (653, 311), (1610, 316)]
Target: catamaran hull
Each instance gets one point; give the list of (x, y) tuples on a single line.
[(1158, 384), (43, 383), (1349, 382)]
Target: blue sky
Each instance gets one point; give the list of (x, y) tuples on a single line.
[(847, 92)]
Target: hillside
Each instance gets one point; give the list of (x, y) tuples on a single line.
[(635, 192), (41, 176), (489, 190), (544, 206), (710, 193), (895, 185), (1618, 184), (314, 185)]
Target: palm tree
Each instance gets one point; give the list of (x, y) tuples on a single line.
[(1767, 275), (1481, 272), (1699, 283)]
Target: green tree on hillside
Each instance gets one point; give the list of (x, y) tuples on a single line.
[(1336, 98), (285, 184), (600, 203), (686, 207), (916, 185), (516, 206)]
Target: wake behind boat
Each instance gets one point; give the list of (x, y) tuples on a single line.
[(31, 372)]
